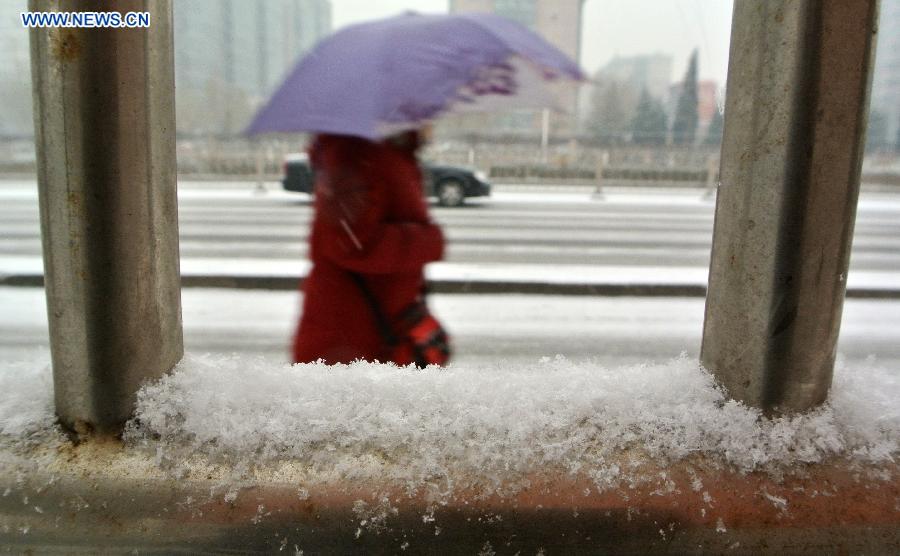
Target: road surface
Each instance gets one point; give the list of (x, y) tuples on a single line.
[(645, 230), (654, 233)]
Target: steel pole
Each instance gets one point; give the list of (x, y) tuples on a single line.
[(105, 136), (798, 85)]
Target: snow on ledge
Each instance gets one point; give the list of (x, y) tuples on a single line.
[(489, 423)]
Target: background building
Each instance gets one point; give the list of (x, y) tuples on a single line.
[(15, 72), (652, 72), (231, 54), (607, 105), (558, 21), (885, 104)]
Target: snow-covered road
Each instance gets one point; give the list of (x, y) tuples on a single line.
[(485, 328), (537, 235), (563, 237)]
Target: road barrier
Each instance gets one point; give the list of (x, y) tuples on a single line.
[(527, 173), (567, 164)]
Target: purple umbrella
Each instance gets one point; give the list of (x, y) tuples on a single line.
[(374, 79)]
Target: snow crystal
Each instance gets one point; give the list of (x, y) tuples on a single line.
[(374, 517), (487, 550), (259, 515), (777, 501)]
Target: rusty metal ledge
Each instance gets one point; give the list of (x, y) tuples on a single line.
[(111, 499)]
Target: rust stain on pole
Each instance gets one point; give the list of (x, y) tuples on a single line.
[(65, 44)]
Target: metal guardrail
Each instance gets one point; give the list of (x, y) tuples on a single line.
[(234, 160), (101, 497), (529, 173)]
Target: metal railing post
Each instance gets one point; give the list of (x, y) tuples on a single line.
[(105, 138), (798, 84), (599, 165)]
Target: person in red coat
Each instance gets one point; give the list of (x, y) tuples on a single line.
[(371, 238)]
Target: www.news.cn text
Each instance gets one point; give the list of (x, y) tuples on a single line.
[(127, 20)]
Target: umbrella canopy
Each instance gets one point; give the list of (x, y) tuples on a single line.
[(374, 79)]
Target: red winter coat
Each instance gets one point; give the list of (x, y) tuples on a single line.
[(371, 219)]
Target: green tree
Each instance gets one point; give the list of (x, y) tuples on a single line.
[(714, 132), (684, 128), (649, 125), (612, 107)]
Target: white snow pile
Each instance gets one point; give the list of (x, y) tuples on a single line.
[(496, 422), (26, 400), (472, 425)]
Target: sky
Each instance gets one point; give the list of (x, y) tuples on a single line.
[(610, 28)]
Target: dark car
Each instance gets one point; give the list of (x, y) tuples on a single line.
[(451, 185)]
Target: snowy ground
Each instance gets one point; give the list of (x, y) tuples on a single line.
[(485, 328), (491, 419)]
